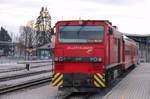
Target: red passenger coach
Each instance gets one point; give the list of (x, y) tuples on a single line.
[(130, 53), (88, 55)]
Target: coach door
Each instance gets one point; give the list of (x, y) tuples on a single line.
[(119, 49)]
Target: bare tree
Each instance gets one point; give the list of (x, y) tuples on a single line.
[(27, 38)]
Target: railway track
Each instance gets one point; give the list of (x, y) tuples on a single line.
[(77, 95), (88, 95), (20, 68), (16, 76), (29, 83)]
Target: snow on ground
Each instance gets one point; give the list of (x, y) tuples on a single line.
[(25, 79), (44, 92), (4, 60), (24, 71), (9, 66)]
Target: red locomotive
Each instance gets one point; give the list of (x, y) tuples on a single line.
[(90, 54)]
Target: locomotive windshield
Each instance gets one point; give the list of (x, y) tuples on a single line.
[(81, 34)]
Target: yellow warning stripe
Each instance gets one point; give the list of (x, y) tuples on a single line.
[(99, 80), (55, 82), (56, 75), (101, 77), (96, 84), (60, 83), (58, 80)]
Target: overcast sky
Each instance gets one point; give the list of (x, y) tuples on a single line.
[(131, 16)]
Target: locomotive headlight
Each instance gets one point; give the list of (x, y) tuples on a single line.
[(56, 59), (59, 59), (99, 59), (95, 59)]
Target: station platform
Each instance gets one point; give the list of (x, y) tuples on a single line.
[(136, 85)]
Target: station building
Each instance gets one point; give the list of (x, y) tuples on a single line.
[(144, 45), (45, 51)]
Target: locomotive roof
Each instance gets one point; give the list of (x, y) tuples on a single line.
[(107, 21)]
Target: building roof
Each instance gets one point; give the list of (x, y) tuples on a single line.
[(139, 37)]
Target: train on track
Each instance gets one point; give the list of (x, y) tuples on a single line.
[(90, 54)]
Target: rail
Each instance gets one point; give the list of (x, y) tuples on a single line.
[(32, 62), (16, 76), (24, 85), (21, 68), (79, 95)]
